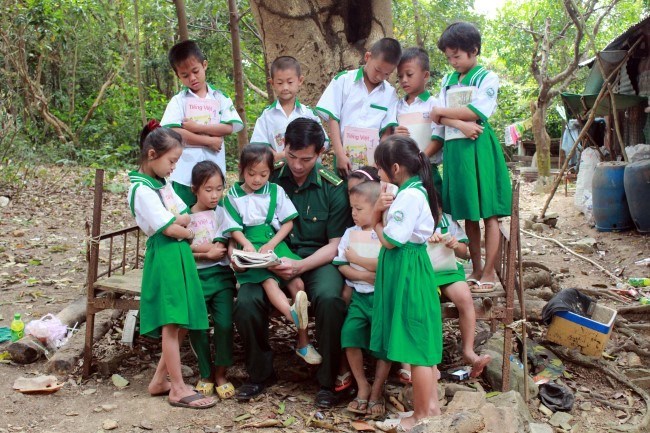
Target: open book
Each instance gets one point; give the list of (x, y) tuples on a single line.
[(244, 259)]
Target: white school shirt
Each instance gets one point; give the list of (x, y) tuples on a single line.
[(272, 124), (483, 86), (449, 225), (423, 103), (346, 99), (409, 217), (252, 209), (341, 259), (147, 206), (173, 118), (217, 235)]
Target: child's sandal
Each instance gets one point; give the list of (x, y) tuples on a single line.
[(204, 387), (343, 381), (225, 391), (381, 403)]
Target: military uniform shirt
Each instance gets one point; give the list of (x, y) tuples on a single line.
[(173, 118)]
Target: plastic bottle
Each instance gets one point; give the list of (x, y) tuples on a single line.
[(17, 328), (639, 282)]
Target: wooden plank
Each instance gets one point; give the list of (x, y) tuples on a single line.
[(128, 284)]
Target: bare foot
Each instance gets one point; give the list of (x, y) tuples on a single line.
[(478, 364), (158, 388), (407, 423)]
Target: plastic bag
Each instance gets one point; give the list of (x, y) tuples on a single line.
[(49, 330), (588, 161)]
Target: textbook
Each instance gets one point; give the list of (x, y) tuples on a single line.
[(203, 111), (204, 226), (390, 188), (167, 197), (244, 259), (419, 126), (359, 145), (366, 244), (457, 97)]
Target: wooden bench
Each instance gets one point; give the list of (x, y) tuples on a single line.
[(118, 287)]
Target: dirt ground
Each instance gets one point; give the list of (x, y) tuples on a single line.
[(43, 268)]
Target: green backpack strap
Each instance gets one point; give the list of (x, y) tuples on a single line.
[(273, 191)]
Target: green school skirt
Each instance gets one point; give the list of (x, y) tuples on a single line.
[(171, 289), (407, 323), (448, 277), (476, 182), (258, 236)]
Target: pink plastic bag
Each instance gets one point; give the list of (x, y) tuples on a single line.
[(49, 330)]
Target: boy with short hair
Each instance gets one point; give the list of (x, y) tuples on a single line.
[(201, 114), (286, 79), (361, 98)]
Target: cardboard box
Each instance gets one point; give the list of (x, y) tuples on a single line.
[(590, 335)]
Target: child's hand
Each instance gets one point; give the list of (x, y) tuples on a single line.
[(248, 247), (435, 115), (435, 238), (369, 277), (470, 130), (451, 242), (216, 252), (215, 143), (343, 165), (402, 130), (183, 220), (192, 126), (352, 256), (266, 248)]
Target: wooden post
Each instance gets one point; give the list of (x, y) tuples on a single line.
[(238, 73)]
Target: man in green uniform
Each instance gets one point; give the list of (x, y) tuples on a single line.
[(324, 213)]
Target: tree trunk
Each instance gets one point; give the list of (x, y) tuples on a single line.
[(542, 142), (136, 49), (238, 72), (183, 33), (326, 36), (418, 24)]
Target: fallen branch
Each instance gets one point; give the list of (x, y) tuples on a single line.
[(634, 309)]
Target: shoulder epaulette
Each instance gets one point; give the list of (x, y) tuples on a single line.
[(337, 76), (279, 164), (329, 176)]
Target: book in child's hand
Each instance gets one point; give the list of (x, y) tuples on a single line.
[(442, 258), (204, 226), (168, 199), (359, 145), (390, 188), (245, 259), (203, 111), (366, 244), (457, 97), (419, 126)]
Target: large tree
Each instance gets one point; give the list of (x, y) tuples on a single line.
[(326, 36)]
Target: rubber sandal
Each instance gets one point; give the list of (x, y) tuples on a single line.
[(204, 387), (343, 381), (372, 403), (360, 403), (186, 402), (486, 287), (392, 424), (225, 391), (404, 376), (473, 282), (479, 366)]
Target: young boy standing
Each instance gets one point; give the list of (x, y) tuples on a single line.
[(286, 79), (200, 114), (361, 98)]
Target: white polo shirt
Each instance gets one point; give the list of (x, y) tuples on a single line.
[(347, 100), (448, 225), (210, 233), (341, 259), (272, 124), (476, 91), (409, 216), (173, 118), (423, 103)]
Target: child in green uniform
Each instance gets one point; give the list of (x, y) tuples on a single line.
[(476, 182), (210, 249), (357, 261), (407, 323), (171, 299), (259, 217)]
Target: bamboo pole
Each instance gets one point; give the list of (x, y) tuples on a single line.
[(603, 91)]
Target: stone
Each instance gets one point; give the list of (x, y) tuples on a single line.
[(528, 224), (109, 424), (560, 418), (4, 201), (633, 360), (545, 411), (514, 402), (145, 425), (118, 394), (537, 427), (186, 371), (493, 371), (119, 381), (109, 407), (586, 406), (501, 419), (621, 414), (584, 246), (89, 391), (461, 422), (539, 227), (466, 401), (452, 388), (584, 389)]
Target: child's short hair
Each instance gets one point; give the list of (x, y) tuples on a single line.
[(302, 133), (462, 36), (203, 171), (365, 174), (389, 50), (416, 53), (253, 154), (283, 63), (183, 51), (368, 190), (158, 138)]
